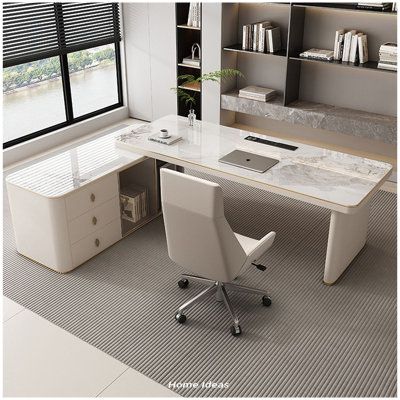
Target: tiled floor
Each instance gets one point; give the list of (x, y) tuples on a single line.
[(42, 360)]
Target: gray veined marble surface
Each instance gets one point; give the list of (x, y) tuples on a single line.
[(317, 175), (321, 116)]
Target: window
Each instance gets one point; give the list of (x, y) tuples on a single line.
[(61, 64)]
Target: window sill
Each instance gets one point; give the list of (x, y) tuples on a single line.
[(34, 147)]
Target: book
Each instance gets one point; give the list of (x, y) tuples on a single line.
[(387, 66), (257, 93), (274, 39), (354, 53), (261, 35), (318, 54), (347, 44), (195, 62), (194, 15), (255, 37), (388, 47), (168, 141), (245, 37), (362, 49), (337, 50)]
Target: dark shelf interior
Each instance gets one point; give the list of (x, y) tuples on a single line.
[(238, 48), (185, 38), (370, 65)]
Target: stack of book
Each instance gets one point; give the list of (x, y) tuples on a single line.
[(133, 199), (194, 15), (257, 93), (318, 54), (375, 6), (351, 46), (388, 56), (262, 37)]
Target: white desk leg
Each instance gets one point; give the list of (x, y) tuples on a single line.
[(347, 236)]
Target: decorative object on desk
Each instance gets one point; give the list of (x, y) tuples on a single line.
[(193, 60), (258, 93), (171, 139), (375, 6), (191, 117), (164, 134), (318, 54), (133, 201), (187, 82), (388, 56), (262, 37), (194, 19)]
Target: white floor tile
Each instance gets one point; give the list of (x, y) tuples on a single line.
[(10, 308), (42, 360), (134, 384)]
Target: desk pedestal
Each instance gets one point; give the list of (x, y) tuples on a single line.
[(347, 236)]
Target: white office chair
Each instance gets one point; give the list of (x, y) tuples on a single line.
[(200, 239)]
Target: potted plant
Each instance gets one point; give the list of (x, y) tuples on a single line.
[(215, 76)]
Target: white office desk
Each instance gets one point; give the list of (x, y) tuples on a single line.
[(341, 182)]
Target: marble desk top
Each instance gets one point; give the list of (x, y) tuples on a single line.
[(70, 170), (331, 179)]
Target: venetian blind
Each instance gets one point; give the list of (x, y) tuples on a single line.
[(33, 31)]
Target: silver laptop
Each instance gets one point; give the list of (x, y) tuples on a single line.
[(251, 161)]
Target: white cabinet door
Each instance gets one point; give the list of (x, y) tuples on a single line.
[(137, 55), (163, 58), (150, 51)]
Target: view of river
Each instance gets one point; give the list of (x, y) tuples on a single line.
[(30, 109)]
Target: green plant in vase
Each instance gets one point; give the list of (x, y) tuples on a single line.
[(215, 76)]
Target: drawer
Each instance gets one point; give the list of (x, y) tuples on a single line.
[(94, 219), (96, 242), (91, 196)]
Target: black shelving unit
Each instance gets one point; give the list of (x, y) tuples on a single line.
[(185, 37), (294, 46)]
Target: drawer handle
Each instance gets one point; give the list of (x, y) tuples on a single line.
[(94, 220), (97, 242), (92, 197)]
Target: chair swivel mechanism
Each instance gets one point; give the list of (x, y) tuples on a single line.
[(200, 239)]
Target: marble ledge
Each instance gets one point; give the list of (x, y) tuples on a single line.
[(320, 116)]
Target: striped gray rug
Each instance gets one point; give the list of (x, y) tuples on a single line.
[(313, 341)]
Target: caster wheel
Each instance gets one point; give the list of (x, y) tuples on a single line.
[(183, 283), (236, 330), (180, 318), (266, 300)]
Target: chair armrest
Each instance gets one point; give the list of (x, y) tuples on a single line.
[(263, 245)]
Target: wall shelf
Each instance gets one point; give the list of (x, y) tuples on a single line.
[(188, 27), (188, 66), (194, 86), (343, 7), (316, 115), (370, 65), (238, 48)]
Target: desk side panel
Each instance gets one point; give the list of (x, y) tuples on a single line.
[(40, 228)]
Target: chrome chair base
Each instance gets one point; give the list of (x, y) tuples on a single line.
[(219, 289)]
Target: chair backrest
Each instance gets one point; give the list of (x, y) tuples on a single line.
[(199, 237)]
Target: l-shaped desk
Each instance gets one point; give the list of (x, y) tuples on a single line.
[(340, 182)]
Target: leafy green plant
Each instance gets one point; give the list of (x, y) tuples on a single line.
[(215, 76)]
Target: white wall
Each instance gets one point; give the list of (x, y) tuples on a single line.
[(150, 52), (211, 60)]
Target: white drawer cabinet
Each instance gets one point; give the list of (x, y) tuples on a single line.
[(94, 219), (93, 244), (65, 209), (91, 196)]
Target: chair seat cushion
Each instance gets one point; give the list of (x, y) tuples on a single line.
[(247, 243)]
